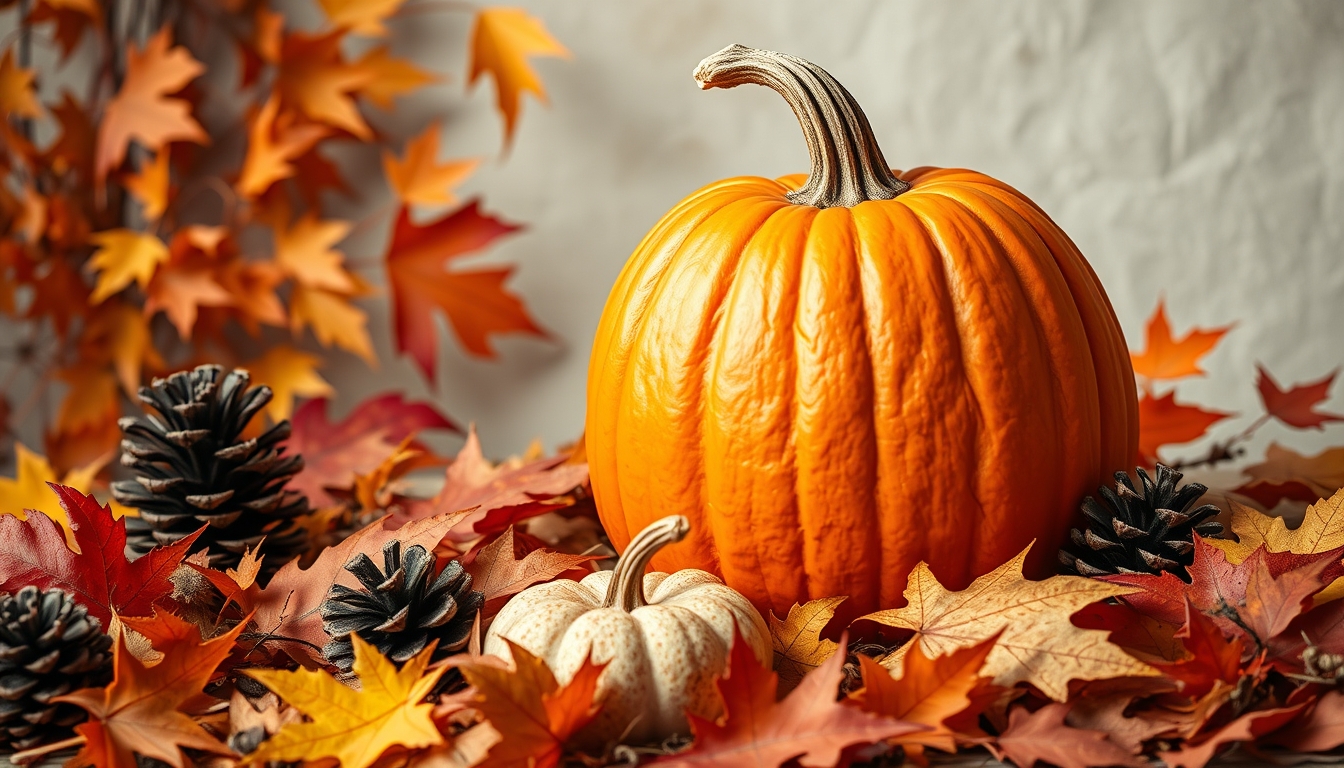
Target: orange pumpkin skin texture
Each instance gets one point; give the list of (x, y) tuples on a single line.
[(833, 394)]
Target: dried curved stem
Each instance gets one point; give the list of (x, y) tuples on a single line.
[(847, 165), (626, 590)]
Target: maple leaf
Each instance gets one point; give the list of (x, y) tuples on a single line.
[(123, 256), (290, 373), (18, 97), (30, 489), (1319, 730), (533, 713), (353, 726), (1105, 705), (141, 712), (287, 608), (1043, 737), (1167, 358), (150, 186), (389, 77), (1321, 530), (71, 17), (34, 552), (364, 17), (1163, 421), (1297, 406), (304, 253), (501, 41), (142, 110), (333, 319), (497, 496), (419, 178), (189, 279), (316, 80), (92, 398), (927, 691), (474, 301), (797, 641), (1213, 659), (1319, 476), (1248, 727), (273, 142), (120, 332), (808, 726), (497, 572), (1038, 644), (335, 453)]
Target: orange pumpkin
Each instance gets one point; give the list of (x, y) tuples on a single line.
[(837, 377)]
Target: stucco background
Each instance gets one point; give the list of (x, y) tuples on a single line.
[(1194, 150)]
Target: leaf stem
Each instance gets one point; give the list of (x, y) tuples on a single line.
[(36, 753)]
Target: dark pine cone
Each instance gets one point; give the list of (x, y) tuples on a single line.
[(401, 608), (49, 646), (192, 469), (1148, 532)]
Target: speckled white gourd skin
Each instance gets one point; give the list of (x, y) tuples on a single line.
[(663, 657)]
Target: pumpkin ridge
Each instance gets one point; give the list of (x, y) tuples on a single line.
[(727, 307)]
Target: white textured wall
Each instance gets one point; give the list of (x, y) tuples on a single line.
[(1192, 149)]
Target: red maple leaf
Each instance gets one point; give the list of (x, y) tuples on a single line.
[(1043, 737), (1297, 406), (334, 453), (1163, 421), (475, 301), (34, 551), (809, 725), (1213, 657)]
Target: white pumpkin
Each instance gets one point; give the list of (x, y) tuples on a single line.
[(665, 637)]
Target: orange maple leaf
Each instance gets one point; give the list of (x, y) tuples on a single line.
[(142, 109), (1297, 406), (189, 279), (1166, 358), (535, 716), (475, 302), (141, 712), (315, 79), (1163, 421), (333, 319), (304, 253), (364, 17), (501, 41), (273, 142), (419, 178), (17, 95), (388, 77), (150, 185)]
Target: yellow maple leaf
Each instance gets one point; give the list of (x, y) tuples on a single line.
[(1038, 644), (28, 489), (1322, 530), (304, 252), (418, 177), (124, 255), (799, 647), (290, 373), (364, 17), (119, 332), (334, 320), (388, 77), (501, 41), (150, 185), (353, 726), (17, 96)]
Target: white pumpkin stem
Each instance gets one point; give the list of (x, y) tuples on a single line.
[(847, 165), (626, 590)]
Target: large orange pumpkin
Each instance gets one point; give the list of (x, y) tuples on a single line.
[(837, 377)]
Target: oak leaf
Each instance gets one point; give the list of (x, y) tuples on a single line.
[(534, 715), (1164, 357), (808, 726), (501, 41), (290, 373), (474, 301), (1296, 407), (498, 573), (352, 726), (274, 140), (335, 453), (927, 690), (364, 17), (149, 185), (798, 645), (1038, 644), (418, 177), (1163, 421), (142, 110), (1043, 737), (141, 712), (18, 97), (124, 256), (34, 551), (1321, 530), (286, 609)]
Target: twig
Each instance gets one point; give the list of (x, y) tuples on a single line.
[(1225, 450), (37, 753)]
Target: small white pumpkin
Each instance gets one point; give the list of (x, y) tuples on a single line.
[(665, 637)]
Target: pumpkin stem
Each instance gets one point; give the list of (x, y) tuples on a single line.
[(847, 165), (626, 590)]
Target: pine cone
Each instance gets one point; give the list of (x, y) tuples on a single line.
[(49, 646), (1148, 532), (401, 608), (193, 470)]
